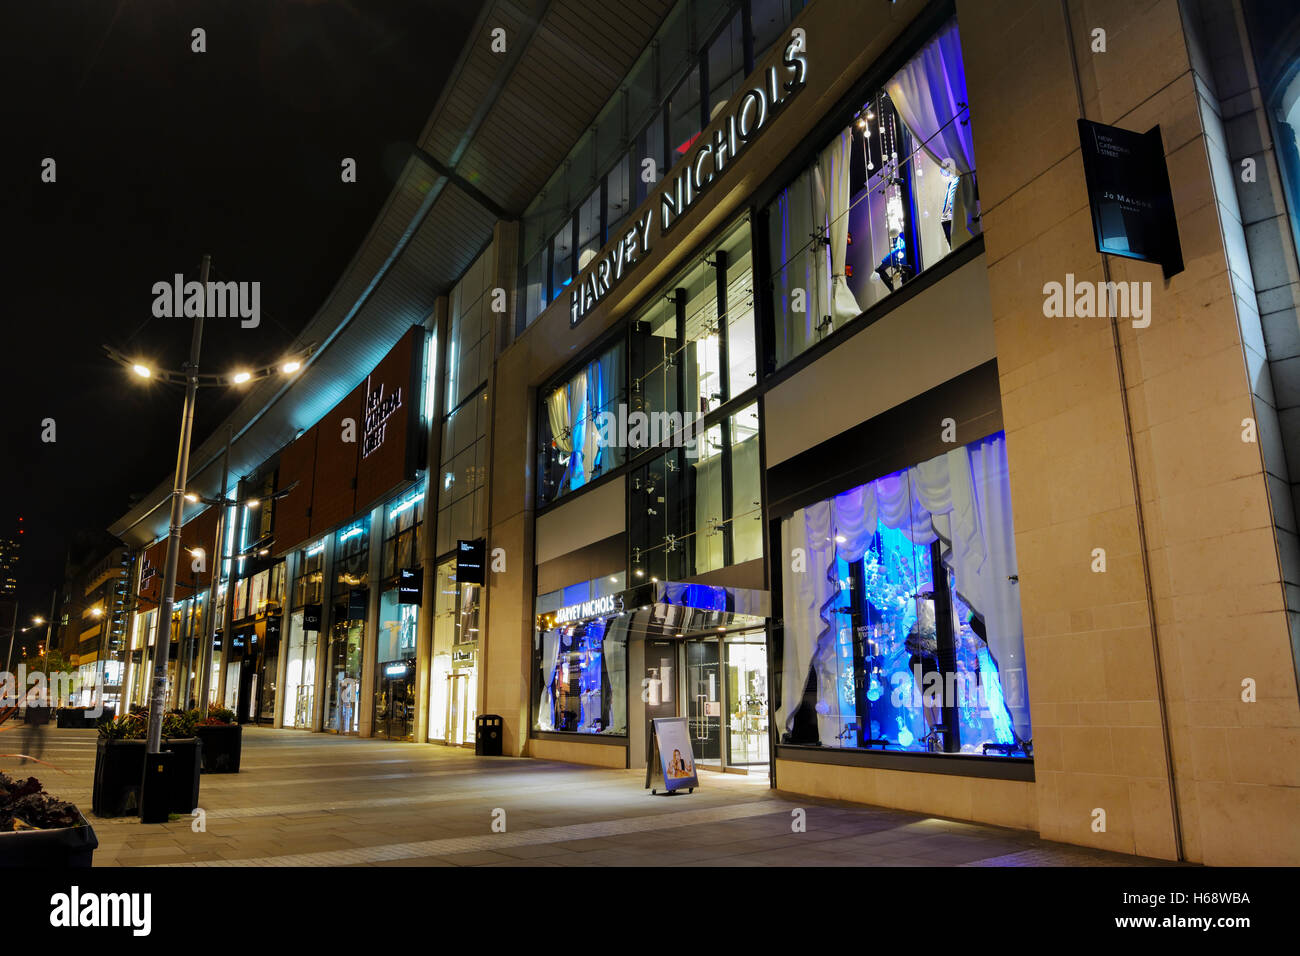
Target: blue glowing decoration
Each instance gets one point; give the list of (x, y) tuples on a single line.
[(905, 737), (993, 698)]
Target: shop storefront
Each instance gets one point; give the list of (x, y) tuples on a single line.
[(303, 637), (453, 697), (349, 602), (693, 651)]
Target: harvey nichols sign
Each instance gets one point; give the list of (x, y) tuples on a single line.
[(754, 110)]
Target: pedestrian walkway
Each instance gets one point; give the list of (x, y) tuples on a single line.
[(315, 800)]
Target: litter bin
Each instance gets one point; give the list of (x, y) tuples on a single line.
[(487, 735)]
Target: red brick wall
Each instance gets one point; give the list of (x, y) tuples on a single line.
[(293, 511), (334, 495)]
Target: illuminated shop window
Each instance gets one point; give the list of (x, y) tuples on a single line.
[(891, 195), (580, 669), (572, 449), (904, 633)]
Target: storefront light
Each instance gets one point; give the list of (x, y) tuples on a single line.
[(350, 533), (316, 549), (409, 502)]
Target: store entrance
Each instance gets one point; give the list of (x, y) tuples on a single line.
[(343, 680), (395, 702), (720, 685), (460, 708)]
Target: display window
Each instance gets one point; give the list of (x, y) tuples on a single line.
[(299, 674), (403, 528), (572, 449), (580, 670), (902, 625), (891, 195)]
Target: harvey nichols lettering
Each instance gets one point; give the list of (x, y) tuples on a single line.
[(753, 112)]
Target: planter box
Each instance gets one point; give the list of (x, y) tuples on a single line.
[(76, 718), (37, 715), (63, 847), (183, 774), (119, 766), (222, 744)]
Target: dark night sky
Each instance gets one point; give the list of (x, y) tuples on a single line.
[(164, 154)]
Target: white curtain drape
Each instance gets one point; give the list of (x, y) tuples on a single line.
[(550, 658), (616, 668), (834, 167), (929, 93), (558, 409), (809, 638), (797, 266)]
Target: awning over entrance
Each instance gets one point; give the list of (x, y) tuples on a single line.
[(666, 609)]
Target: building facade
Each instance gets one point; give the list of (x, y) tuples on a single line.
[(751, 386)]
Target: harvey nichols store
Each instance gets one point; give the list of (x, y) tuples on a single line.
[(763, 502)]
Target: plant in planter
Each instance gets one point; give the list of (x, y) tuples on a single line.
[(120, 756), (222, 739), (37, 829)]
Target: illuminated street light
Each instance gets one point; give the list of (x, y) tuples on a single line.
[(239, 378), (288, 368), (142, 370)]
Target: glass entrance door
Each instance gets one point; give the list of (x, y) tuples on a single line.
[(704, 699), (395, 700), (460, 707), (747, 703), (344, 679)]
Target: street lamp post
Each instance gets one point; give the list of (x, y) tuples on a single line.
[(174, 532)]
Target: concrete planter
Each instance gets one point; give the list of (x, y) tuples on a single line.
[(60, 848), (222, 746), (119, 767)]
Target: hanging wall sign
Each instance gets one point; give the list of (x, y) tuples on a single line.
[(470, 559), (672, 756), (1128, 192), (410, 585)]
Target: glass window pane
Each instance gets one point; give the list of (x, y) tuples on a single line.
[(684, 116), (650, 162), (589, 233), (618, 197), (562, 258), (535, 287), (726, 58)]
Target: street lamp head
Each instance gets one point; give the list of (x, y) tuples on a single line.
[(191, 497), (142, 370), (239, 378), (291, 366), (38, 621)]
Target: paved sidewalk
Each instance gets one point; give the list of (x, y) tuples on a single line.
[(318, 800)]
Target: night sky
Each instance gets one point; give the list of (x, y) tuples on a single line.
[(163, 155)]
